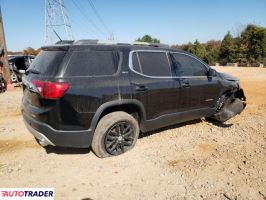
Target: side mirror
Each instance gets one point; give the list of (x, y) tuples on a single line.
[(211, 72)]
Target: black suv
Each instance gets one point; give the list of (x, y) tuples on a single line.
[(88, 93)]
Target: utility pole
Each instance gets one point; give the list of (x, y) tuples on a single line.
[(56, 22), (3, 57), (111, 37)]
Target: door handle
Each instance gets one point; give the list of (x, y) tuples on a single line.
[(141, 88)]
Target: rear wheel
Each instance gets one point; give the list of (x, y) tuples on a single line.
[(14, 77), (115, 134)]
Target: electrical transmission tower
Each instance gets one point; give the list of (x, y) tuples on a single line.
[(56, 22)]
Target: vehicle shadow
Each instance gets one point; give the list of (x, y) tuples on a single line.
[(86, 199), (219, 124), (142, 135), (196, 121), (66, 150)]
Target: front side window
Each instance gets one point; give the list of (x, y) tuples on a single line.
[(185, 65), (151, 63), (92, 63)]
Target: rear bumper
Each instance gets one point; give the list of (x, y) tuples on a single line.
[(44, 141), (50, 136)]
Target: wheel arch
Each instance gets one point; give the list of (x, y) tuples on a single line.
[(238, 92), (130, 106)]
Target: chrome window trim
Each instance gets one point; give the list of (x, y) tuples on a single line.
[(152, 51), (204, 64), (169, 62), (130, 63)]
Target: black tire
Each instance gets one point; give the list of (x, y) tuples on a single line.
[(219, 106), (115, 134)]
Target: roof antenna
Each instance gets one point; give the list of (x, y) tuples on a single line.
[(58, 36)]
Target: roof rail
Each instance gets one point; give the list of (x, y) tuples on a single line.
[(65, 42), (108, 42), (150, 44), (86, 42)]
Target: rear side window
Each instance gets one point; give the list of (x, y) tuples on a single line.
[(47, 62), (185, 65), (92, 63), (151, 63)]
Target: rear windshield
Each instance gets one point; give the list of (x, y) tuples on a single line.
[(47, 62)]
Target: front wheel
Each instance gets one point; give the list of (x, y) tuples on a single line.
[(115, 134), (228, 107)]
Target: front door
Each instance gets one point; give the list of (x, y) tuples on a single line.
[(198, 91)]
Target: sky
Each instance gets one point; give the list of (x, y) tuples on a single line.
[(171, 21)]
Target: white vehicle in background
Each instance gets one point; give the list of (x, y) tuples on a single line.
[(18, 64)]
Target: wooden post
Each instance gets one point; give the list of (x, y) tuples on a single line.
[(4, 57)]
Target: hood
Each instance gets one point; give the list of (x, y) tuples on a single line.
[(229, 77)]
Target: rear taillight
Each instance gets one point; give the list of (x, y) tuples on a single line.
[(51, 90)]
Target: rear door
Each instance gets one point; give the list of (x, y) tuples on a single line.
[(198, 91), (152, 82)]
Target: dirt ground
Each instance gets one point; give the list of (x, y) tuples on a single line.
[(194, 160)]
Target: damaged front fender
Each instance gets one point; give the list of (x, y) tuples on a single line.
[(232, 105)]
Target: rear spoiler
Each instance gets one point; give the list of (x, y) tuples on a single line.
[(56, 47)]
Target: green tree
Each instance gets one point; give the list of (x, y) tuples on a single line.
[(198, 49), (208, 51), (249, 48), (184, 47), (212, 51), (252, 45), (242, 52), (228, 50), (148, 38)]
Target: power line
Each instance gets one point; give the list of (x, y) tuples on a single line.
[(86, 16), (80, 21), (82, 24), (100, 18)]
